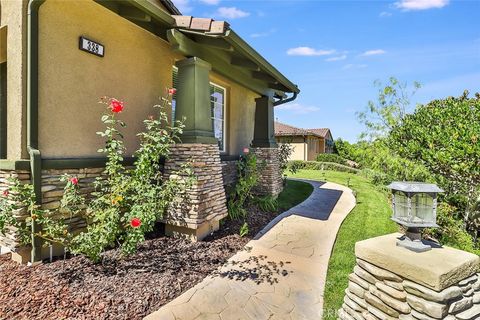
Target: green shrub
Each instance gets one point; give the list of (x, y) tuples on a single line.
[(266, 204), (331, 157), (314, 165), (451, 231)]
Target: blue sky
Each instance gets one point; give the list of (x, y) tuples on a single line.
[(335, 50)]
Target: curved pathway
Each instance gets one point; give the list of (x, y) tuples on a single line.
[(280, 274)]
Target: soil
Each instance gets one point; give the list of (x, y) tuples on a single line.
[(119, 288)]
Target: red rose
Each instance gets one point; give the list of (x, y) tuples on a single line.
[(74, 181), (116, 106), (172, 91), (135, 223), (246, 150), (6, 192)]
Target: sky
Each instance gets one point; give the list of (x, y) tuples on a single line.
[(335, 50)]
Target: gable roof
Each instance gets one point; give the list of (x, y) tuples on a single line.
[(322, 132), (282, 129)]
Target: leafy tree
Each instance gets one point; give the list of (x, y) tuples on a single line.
[(389, 110), (444, 135)]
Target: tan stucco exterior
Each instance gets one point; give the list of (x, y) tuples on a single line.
[(14, 16), (136, 68), (304, 147), (240, 114)]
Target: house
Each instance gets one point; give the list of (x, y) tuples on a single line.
[(306, 143), (57, 58)]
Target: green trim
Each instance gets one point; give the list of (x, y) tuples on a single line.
[(219, 59), (153, 10), (3, 110), (14, 164), (264, 132), (246, 50), (80, 163)]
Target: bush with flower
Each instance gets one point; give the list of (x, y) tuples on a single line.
[(127, 202)]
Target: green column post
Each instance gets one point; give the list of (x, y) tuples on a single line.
[(193, 101), (264, 131)]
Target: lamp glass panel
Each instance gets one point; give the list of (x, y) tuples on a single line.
[(401, 206), (422, 208)]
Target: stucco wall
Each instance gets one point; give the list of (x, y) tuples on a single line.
[(240, 115), (136, 68), (298, 145), (14, 16)]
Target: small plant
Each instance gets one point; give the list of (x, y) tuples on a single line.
[(244, 230), (266, 204), (247, 169), (285, 151)]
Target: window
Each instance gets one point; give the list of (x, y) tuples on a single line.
[(217, 104)]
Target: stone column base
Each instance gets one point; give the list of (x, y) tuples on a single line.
[(270, 178), (391, 282), (204, 203)]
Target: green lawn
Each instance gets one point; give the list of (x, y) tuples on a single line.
[(370, 218), (294, 193)]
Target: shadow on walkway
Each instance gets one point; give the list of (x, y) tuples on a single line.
[(318, 206)]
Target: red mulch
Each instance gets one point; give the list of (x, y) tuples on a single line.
[(128, 288)]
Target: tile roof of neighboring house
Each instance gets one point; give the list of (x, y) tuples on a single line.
[(322, 132), (282, 129)]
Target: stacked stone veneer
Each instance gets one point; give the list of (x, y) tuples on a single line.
[(9, 240), (229, 172), (270, 180), (199, 210), (450, 290)]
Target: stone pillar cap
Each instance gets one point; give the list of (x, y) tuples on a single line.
[(437, 269)]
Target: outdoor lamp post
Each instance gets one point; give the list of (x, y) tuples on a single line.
[(414, 207)]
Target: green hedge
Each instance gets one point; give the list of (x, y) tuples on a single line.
[(331, 157), (315, 165)]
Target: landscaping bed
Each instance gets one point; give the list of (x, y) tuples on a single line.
[(128, 288)]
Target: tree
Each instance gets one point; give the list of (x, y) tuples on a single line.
[(444, 135), (389, 110)]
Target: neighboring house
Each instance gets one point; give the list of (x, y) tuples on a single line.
[(306, 143), (57, 58)]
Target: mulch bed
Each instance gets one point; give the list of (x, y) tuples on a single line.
[(128, 288)]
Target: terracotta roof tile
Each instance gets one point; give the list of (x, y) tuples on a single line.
[(282, 129), (322, 132)]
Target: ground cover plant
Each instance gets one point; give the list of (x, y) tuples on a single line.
[(369, 218)]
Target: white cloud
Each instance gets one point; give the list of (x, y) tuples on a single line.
[(410, 5), (307, 51), (339, 58), (375, 52), (211, 2), (183, 5), (263, 34), (231, 13), (297, 108), (385, 14), (354, 66)]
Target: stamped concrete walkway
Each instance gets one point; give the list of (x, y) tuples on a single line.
[(280, 274)]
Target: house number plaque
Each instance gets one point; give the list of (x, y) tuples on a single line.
[(91, 46)]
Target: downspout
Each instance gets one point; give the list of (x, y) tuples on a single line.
[(32, 116), (282, 101)]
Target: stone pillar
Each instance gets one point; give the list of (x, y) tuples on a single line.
[(270, 178), (204, 204), (391, 282), (265, 148)]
